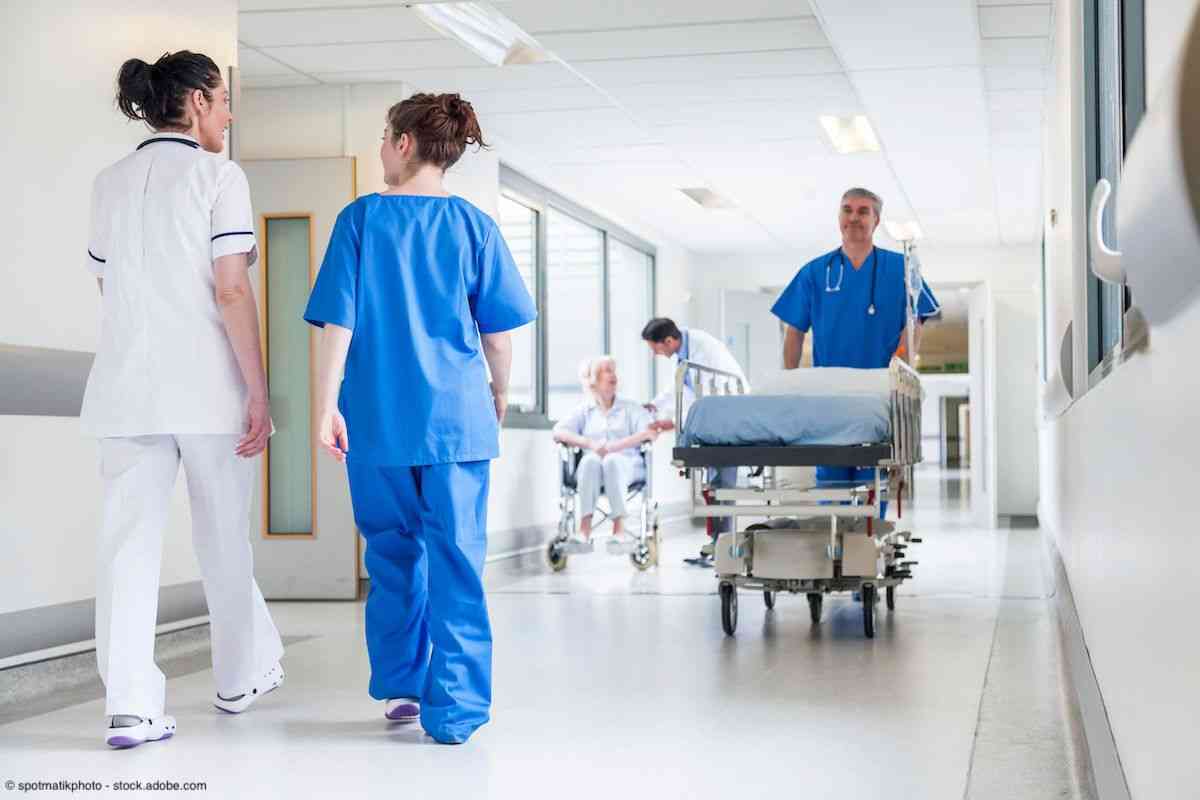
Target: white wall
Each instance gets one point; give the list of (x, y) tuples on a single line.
[(61, 62), (1118, 476), (279, 123)]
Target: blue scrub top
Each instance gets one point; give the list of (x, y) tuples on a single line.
[(844, 334), (417, 279)]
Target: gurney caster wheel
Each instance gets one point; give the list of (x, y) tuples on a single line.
[(868, 607), (891, 598), (729, 608), (769, 599), (814, 607), (555, 556)]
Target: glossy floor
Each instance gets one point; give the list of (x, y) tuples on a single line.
[(615, 684)]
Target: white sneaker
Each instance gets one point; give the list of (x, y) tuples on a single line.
[(403, 709), (577, 545), (127, 730), (267, 683)]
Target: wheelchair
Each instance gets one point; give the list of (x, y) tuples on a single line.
[(639, 502)]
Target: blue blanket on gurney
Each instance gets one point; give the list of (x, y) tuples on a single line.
[(784, 420)]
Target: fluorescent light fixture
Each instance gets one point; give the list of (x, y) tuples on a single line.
[(484, 31), (850, 134), (903, 230), (707, 197)]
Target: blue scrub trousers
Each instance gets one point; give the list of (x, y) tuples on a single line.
[(428, 634), (722, 478), (830, 476)]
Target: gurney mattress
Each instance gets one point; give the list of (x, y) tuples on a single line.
[(788, 420)]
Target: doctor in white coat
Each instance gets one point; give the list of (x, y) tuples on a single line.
[(178, 378), (665, 338)]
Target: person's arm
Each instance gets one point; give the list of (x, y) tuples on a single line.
[(239, 313), (331, 363), (793, 347), (497, 350), (648, 435)]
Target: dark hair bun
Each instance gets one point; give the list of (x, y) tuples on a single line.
[(154, 93)]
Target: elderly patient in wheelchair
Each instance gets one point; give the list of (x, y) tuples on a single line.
[(610, 431)]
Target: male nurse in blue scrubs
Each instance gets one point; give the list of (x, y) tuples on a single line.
[(853, 299)]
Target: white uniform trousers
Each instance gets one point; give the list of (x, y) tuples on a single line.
[(613, 474), (139, 475)]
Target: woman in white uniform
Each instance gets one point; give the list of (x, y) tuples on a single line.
[(178, 377), (610, 429)]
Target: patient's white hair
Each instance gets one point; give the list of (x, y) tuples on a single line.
[(590, 366)]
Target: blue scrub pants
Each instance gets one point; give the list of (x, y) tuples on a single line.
[(428, 634), (722, 478), (831, 476)]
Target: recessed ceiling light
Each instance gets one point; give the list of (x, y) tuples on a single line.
[(483, 30), (707, 197), (852, 134)]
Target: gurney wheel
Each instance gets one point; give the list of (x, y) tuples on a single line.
[(729, 608), (769, 599), (891, 598), (814, 607), (868, 607), (555, 556)]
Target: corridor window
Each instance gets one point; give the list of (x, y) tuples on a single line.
[(1115, 88), (574, 306), (630, 303), (519, 226), (594, 285)]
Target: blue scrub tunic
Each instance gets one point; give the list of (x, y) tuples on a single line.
[(414, 277), (831, 298), (418, 279)]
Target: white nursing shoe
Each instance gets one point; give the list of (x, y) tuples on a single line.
[(403, 709), (127, 730), (239, 703)]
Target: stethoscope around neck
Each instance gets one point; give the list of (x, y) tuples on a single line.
[(842, 274)]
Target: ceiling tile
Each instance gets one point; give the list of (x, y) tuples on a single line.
[(1017, 100), (659, 42), (466, 80), (1007, 21), (881, 34), (376, 56), (252, 62), (1006, 78), (331, 25), (1032, 52), (538, 16), (727, 66), (276, 81)]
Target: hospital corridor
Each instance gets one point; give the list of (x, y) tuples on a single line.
[(642, 399)]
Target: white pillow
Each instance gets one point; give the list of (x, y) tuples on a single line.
[(826, 381)]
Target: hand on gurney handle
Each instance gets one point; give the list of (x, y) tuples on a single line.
[(662, 425)]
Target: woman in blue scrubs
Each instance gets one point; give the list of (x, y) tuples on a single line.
[(854, 299), (417, 294)]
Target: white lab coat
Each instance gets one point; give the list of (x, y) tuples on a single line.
[(701, 348)]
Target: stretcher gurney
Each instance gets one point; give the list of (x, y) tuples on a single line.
[(816, 539)]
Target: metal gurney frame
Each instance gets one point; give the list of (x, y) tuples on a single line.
[(841, 545)]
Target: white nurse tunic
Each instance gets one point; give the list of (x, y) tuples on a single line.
[(160, 216)]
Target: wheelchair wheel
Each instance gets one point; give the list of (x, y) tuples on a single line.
[(729, 608), (815, 600), (555, 556), (645, 556), (769, 599)]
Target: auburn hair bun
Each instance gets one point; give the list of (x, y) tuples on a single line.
[(442, 124)]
